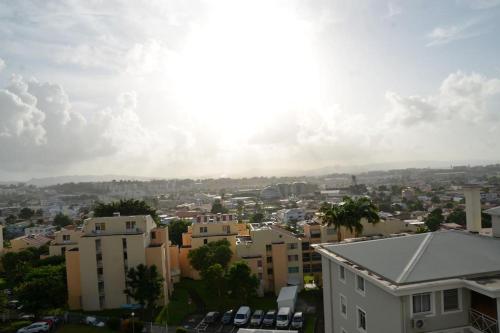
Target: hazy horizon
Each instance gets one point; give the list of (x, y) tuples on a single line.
[(220, 88)]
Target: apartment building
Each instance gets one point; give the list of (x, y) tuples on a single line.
[(65, 239), (274, 255), (208, 228), (445, 281), (291, 215), (107, 248), (23, 242)]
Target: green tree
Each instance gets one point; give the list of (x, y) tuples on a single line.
[(435, 199), (242, 283), (240, 210), (175, 230), (26, 213), (218, 252), (434, 220), (457, 216), (62, 220), (144, 285), (218, 207), (43, 288), (10, 219), (257, 218), (349, 214), (214, 278), (125, 207)]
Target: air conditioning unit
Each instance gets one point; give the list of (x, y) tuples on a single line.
[(418, 323)]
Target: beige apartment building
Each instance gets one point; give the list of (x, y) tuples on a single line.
[(280, 257), (64, 240), (274, 255), (107, 248), (208, 228)]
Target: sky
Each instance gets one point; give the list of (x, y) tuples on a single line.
[(238, 88)]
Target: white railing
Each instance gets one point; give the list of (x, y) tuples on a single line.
[(482, 322)]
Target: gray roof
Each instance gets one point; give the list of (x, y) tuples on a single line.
[(493, 211), (424, 257)]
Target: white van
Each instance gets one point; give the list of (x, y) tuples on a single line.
[(283, 318), (242, 316)]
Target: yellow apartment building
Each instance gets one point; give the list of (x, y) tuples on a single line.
[(64, 240), (208, 228), (274, 255), (23, 242), (107, 248)]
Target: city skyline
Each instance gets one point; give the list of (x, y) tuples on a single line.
[(223, 88)]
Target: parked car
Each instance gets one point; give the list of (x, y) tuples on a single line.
[(26, 316), (227, 318), (48, 321), (212, 317), (242, 316), (94, 322), (284, 317), (38, 327), (298, 320), (55, 320), (269, 318), (257, 318)]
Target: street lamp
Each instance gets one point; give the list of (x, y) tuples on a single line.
[(133, 326)]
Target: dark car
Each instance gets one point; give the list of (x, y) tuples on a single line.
[(227, 318), (212, 317), (269, 318)]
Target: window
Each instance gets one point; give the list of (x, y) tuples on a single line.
[(259, 263), (306, 269), (331, 231), (316, 256), (305, 245), (66, 238), (343, 306), (269, 260), (361, 320), (293, 269), (98, 257), (421, 303), (203, 230), (316, 268), (226, 229), (306, 256), (100, 227), (124, 243), (269, 271), (360, 284), (130, 225), (451, 300), (342, 273), (205, 241), (294, 257), (97, 245), (153, 234), (269, 247), (292, 246), (100, 271)]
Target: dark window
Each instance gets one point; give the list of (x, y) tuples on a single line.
[(259, 263), (269, 271), (98, 257), (307, 269), (269, 260), (124, 243), (316, 268), (451, 300), (305, 245), (269, 247), (153, 235), (316, 256), (205, 241)]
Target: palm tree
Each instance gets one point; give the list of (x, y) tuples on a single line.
[(349, 214)]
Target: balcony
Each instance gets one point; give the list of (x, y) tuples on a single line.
[(482, 322)]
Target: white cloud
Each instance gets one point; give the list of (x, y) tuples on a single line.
[(461, 96), (2, 64), (393, 9), (447, 34)]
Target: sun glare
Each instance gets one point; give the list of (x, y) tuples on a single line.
[(242, 69)]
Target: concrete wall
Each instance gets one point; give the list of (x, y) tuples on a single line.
[(383, 310), (73, 279)]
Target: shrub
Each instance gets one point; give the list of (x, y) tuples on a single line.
[(12, 327), (113, 324), (126, 326)]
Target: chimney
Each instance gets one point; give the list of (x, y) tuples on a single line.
[(116, 214), (473, 207)]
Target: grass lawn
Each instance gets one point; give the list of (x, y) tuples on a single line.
[(225, 302), (202, 299), (310, 321), (70, 328)]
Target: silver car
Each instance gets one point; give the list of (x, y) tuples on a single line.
[(38, 327)]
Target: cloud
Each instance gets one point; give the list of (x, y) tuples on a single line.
[(40, 129), (2, 64), (479, 4), (447, 34), (393, 9), (461, 96)]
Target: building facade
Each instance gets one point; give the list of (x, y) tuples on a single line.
[(107, 248)]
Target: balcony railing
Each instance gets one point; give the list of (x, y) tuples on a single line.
[(482, 322)]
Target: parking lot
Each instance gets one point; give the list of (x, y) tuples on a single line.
[(220, 328)]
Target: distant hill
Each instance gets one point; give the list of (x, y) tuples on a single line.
[(48, 181)]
